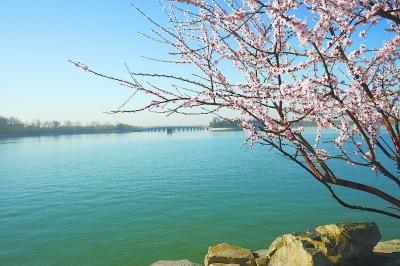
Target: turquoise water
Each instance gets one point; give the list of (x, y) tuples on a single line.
[(132, 199)]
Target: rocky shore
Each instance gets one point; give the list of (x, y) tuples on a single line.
[(342, 244)]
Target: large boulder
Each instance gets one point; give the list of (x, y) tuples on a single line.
[(174, 263), (229, 254), (296, 250), (333, 244), (349, 240)]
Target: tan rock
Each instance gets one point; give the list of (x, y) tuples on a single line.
[(262, 261), (224, 264), (386, 253), (263, 253), (174, 263), (229, 254), (261, 257), (391, 246), (296, 250), (349, 240), (333, 244)]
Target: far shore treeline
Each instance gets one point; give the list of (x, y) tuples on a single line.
[(15, 127)]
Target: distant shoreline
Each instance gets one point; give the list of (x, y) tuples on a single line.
[(83, 132), (49, 133), (44, 134), (91, 132)]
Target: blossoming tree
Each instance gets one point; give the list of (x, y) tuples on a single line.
[(284, 63)]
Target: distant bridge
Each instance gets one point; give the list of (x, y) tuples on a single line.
[(170, 129)]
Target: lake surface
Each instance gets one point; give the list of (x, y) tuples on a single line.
[(132, 199)]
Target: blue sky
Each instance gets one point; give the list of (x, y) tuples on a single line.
[(39, 37)]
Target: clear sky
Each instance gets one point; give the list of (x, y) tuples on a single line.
[(39, 37)]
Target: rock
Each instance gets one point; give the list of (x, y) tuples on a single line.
[(293, 250), (386, 253), (333, 244), (349, 240), (344, 244), (174, 263), (224, 253), (224, 264), (391, 246), (261, 257), (262, 261), (263, 253)]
